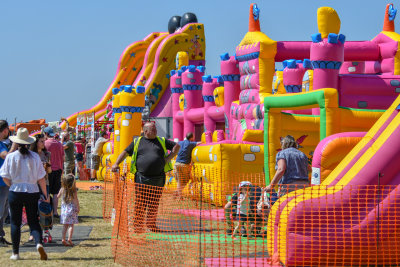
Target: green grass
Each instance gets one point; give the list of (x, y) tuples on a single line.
[(95, 251)]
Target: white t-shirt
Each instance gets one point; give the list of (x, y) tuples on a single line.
[(243, 206), (23, 171), (99, 145)]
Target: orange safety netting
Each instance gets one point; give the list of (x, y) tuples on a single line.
[(191, 223)]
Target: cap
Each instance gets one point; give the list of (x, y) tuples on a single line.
[(49, 131), (244, 183)]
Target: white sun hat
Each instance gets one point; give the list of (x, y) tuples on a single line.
[(244, 183), (22, 137)]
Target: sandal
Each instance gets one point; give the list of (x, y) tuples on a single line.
[(70, 243), (65, 243)]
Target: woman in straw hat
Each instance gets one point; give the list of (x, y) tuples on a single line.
[(23, 171)]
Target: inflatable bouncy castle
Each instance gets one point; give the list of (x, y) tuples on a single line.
[(327, 86), (338, 98), (293, 228)]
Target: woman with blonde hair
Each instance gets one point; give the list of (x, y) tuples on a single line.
[(291, 168)]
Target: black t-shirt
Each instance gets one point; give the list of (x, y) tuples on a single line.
[(150, 159)]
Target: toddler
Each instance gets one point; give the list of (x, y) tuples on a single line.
[(246, 209), (69, 207)]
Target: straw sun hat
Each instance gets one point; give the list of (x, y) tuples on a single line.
[(22, 137)]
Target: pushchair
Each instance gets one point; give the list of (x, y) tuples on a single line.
[(45, 219), (45, 211)]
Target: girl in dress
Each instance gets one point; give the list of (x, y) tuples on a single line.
[(69, 207)]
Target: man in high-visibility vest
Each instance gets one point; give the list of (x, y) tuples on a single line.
[(150, 162)]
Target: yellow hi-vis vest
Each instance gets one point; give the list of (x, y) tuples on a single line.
[(168, 166)]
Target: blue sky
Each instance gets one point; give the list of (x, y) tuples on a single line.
[(59, 57)]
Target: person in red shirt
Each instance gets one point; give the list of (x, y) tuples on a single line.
[(57, 161), (79, 145)]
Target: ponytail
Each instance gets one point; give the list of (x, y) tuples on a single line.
[(23, 149)]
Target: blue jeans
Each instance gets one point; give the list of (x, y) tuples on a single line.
[(3, 207), (17, 201)]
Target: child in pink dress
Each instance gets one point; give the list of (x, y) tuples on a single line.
[(69, 207)]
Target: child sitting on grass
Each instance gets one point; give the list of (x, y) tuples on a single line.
[(69, 207)]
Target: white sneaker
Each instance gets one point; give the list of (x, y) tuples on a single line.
[(40, 249), (14, 257)]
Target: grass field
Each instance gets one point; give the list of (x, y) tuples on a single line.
[(96, 251)]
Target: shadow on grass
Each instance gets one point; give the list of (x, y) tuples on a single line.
[(98, 238), (82, 259), (88, 219), (90, 245), (91, 217), (92, 192)]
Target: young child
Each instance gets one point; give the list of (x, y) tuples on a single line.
[(69, 207), (246, 209), (264, 205)]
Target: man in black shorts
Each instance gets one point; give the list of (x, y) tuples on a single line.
[(150, 162)]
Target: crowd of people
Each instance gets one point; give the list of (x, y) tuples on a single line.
[(44, 168), (35, 171)]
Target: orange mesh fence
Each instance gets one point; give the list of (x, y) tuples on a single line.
[(212, 218), (108, 195)]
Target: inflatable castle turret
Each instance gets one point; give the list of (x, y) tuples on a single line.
[(177, 91), (117, 123), (327, 50), (209, 85), (131, 104), (231, 76), (293, 74), (192, 85)]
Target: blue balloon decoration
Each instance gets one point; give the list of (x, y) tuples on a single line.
[(206, 78), (307, 64), (316, 38), (291, 63), (342, 38), (333, 38), (115, 91), (392, 13), (128, 88), (192, 68), (256, 12), (201, 68), (219, 78), (140, 89), (224, 56)]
